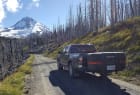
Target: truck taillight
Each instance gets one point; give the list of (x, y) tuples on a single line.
[(95, 62)]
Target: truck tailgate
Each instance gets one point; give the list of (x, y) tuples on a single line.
[(110, 61)]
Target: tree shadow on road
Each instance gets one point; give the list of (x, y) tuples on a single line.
[(85, 85)]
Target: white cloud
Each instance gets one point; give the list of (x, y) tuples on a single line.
[(2, 12), (9, 5), (13, 5), (36, 3)]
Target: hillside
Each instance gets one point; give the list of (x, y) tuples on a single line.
[(126, 38)]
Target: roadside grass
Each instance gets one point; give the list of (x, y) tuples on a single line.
[(131, 76), (14, 84)]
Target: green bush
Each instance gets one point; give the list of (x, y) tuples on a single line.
[(137, 70), (127, 73), (133, 48)]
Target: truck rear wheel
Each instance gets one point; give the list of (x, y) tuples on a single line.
[(59, 66), (72, 72)]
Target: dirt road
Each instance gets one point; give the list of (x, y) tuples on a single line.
[(47, 80)]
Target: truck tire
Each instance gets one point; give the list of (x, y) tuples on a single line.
[(72, 72), (59, 66)]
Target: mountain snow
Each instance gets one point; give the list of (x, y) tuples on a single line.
[(23, 28)]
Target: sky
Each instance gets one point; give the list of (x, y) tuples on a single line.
[(46, 12)]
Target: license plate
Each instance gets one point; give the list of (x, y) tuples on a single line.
[(80, 66), (111, 67)]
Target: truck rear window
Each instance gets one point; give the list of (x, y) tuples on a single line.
[(82, 49)]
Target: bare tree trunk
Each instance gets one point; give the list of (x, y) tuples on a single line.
[(139, 7), (112, 15), (97, 13), (131, 7), (91, 15)]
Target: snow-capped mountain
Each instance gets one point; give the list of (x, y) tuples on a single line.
[(23, 28)]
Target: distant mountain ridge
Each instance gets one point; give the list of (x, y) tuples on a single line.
[(23, 28)]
